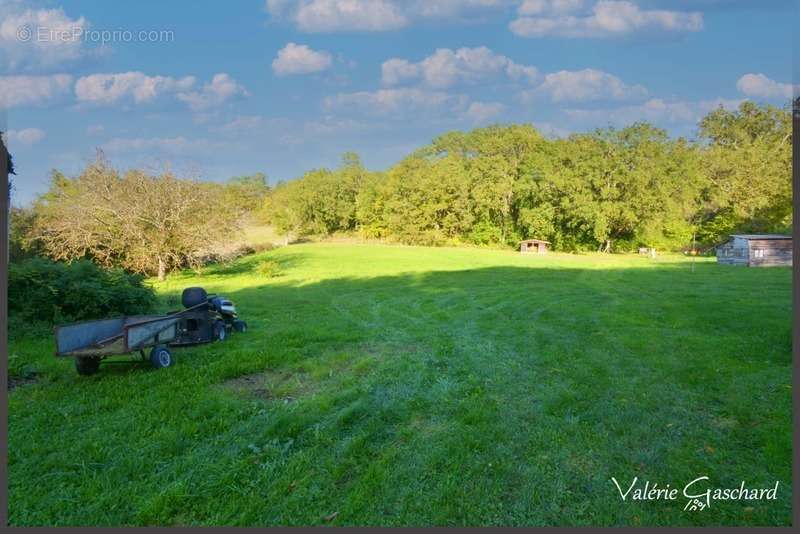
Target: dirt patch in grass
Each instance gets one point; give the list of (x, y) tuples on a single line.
[(251, 385), (272, 385), (17, 381)]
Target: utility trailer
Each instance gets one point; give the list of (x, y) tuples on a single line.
[(206, 318)]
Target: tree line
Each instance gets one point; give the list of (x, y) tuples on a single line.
[(609, 190)]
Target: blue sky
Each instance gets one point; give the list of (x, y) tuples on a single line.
[(217, 89)]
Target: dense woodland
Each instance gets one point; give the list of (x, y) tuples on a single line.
[(610, 190)]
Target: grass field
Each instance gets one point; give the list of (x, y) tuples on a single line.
[(386, 385)]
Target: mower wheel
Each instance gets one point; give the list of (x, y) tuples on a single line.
[(219, 331), (240, 326), (87, 365), (160, 357)]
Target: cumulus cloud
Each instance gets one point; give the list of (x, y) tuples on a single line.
[(25, 90), (300, 59), (484, 111), (450, 9), (760, 86), (220, 89), (42, 38), (446, 68), (107, 89), (27, 136), (395, 101), (584, 85), (552, 7), (395, 71), (340, 15), (315, 16), (606, 18), (112, 88)]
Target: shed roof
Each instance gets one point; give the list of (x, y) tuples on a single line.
[(761, 236), (534, 241)]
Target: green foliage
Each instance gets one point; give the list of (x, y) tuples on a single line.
[(41, 290), (748, 161), (21, 224), (269, 268), (245, 194), (322, 202), (612, 189)]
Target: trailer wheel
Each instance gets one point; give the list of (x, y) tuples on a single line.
[(240, 326), (87, 365), (219, 331), (160, 357)]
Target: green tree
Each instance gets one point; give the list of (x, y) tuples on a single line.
[(748, 161)]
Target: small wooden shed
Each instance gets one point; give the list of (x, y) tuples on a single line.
[(756, 250), (533, 246)]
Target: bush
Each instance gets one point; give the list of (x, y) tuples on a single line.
[(269, 268), (41, 290), (262, 247)]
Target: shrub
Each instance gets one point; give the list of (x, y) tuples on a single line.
[(41, 290), (269, 268), (262, 247)]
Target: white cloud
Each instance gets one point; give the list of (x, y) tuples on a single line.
[(760, 86), (395, 101), (340, 15), (42, 38), (540, 7), (95, 129), (24, 90), (221, 88), (584, 85), (450, 9), (300, 59), (654, 110), (395, 71), (314, 16), (607, 18), (27, 136), (482, 111), (111, 88), (445, 68)]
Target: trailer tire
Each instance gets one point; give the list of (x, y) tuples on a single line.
[(87, 365), (160, 357), (219, 331), (192, 296), (240, 326)]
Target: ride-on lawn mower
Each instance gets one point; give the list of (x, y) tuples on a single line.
[(205, 318)]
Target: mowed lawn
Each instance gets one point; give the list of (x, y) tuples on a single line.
[(383, 385)]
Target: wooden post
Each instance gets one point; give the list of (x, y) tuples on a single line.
[(4, 256), (694, 251)]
